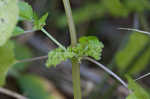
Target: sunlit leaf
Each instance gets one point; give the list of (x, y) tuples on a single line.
[(8, 19)]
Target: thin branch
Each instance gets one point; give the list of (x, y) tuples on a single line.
[(45, 32), (53, 39), (143, 76), (12, 94), (129, 29), (28, 31), (33, 59), (108, 71)]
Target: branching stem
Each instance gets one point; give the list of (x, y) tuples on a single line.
[(75, 64), (53, 39)]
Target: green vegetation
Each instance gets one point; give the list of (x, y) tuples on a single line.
[(131, 59)]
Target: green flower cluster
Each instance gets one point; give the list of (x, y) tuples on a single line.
[(87, 46)]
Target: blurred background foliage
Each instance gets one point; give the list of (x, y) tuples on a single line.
[(125, 52)]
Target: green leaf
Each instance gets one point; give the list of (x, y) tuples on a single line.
[(26, 11), (125, 56), (115, 7), (132, 96), (39, 23), (17, 31), (137, 91), (137, 5), (7, 59), (93, 46), (57, 56), (141, 62), (35, 16), (8, 19), (89, 46), (34, 87)]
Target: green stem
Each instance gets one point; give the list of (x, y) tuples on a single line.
[(76, 79), (53, 39), (75, 64), (70, 22)]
